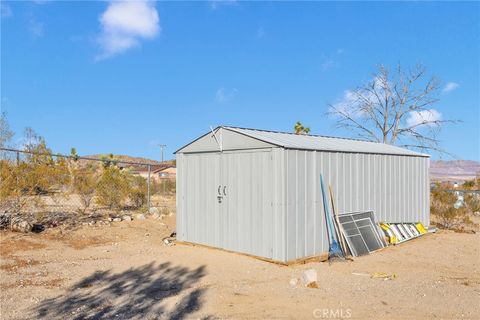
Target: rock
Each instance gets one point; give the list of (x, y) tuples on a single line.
[(127, 218), (293, 282), (53, 224), (309, 278), (21, 226), (37, 228), (116, 219), (5, 220), (110, 219), (168, 241), (154, 210), (165, 212), (156, 216), (140, 217)]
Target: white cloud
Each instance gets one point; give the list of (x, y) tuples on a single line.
[(354, 102), (261, 32), (450, 87), (348, 104), (327, 64), (124, 24), (6, 10), (223, 95), (35, 27), (331, 60), (418, 117), (215, 4)]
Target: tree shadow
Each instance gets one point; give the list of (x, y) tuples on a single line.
[(149, 291)]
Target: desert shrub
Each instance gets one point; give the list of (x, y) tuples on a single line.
[(442, 208), (24, 183), (14, 186), (112, 188), (137, 192), (84, 185), (473, 202), (167, 185), (473, 184)]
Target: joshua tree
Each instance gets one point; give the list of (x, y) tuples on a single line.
[(300, 129)]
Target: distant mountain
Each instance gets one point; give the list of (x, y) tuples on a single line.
[(453, 170), (138, 160), (121, 157)]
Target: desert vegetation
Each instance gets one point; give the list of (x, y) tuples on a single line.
[(37, 180), (452, 208)]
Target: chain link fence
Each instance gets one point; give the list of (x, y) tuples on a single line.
[(45, 183)]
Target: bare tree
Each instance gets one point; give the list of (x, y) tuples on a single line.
[(5, 133), (394, 108)]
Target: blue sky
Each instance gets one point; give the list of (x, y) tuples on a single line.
[(88, 75)]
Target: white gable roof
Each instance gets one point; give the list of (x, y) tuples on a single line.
[(312, 142)]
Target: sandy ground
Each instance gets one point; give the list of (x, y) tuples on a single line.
[(124, 271)]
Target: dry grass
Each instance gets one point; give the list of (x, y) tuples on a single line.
[(50, 283), (12, 244)]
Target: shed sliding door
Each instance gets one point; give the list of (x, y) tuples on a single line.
[(201, 210), (227, 201), (246, 209)]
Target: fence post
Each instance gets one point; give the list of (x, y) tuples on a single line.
[(148, 190), (18, 158)]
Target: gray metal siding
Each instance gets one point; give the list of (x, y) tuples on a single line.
[(274, 207), (396, 188), (250, 218)]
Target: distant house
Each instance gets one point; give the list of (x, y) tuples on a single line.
[(157, 172), (142, 171), (169, 173)]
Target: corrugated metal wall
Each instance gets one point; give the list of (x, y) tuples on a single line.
[(396, 188), (251, 215), (271, 204)]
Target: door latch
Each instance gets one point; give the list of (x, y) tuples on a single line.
[(219, 197)]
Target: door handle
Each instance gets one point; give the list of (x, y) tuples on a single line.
[(219, 193), (224, 188)]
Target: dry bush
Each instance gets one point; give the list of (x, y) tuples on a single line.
[(137, 192), (441, 207), (24, 183), (112, 188), (84, 185), (472, 184), (167, 185), (473, 202)]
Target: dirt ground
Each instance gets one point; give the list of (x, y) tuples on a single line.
[(124, 271)]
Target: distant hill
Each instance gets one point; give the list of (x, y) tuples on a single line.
[(453, 170), (121, 157), (440, 170)]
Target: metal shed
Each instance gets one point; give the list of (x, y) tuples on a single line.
[(258, 192)]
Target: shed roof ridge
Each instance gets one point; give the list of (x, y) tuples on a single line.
[(384, 145), (301, 135)]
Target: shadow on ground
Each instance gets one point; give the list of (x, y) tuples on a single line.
[(149, 291)]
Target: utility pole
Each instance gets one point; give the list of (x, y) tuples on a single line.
[(162, 147)]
